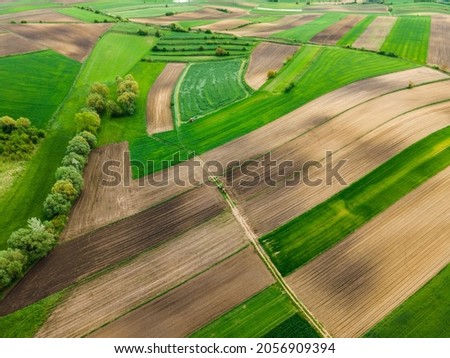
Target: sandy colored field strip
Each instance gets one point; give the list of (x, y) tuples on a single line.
[(197, 302), (108, 197), (13, 44), (365, 137), (266, 56), (269, 28), (356, 283), (109, 296), (375, 34), (224, 25), (317, 112), (159, 111), (112, 244), (71, 40), (439, 46), (207, 13), (43, 15), (333, 34)]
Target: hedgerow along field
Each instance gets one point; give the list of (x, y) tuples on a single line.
[(25, 201), (409, 38), (208, 86), (420, 316), (262, 314), (305, 237)]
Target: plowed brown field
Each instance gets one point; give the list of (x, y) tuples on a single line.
[(159, 111), (375, 34), (332, 34), (439, 47), (356, 283), (111, 295), (71, 40), (365, 137), (266, 56), (197, 302), (13, 44), (112, 244), (43, 15)]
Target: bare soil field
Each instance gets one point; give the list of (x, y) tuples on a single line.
[(207, 13), (316, 113), (355, 284), (71, 40), (197, 302), (333, 34), (159, 112), (13, 44), (111, 295), (267, 29), (330, 6), (104, 201), (79, 258), (375, 34), (266, 56), (43, 15), (365, 137), (224, 25), (439, 46)]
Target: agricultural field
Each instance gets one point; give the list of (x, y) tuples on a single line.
[(409, 38), (211, 169)]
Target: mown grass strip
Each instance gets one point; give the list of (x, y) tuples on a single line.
[(303, 238), (25, 323), (254, 317), (356, 31), (294, 327), (409, 38), (423, 315)]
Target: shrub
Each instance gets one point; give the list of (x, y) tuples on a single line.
[(23, 122), (221, 52), (128, 85), (78, 145), (56, 204), (100, 88), (34, 241), (57, 224), (87, 121), (96, 102), (126, 102), (141, 32), (271, 74), (75, 160), (11, 266), (289, 87), (89, 137), (208, 31), (65, 188), (7, 124), (71, 174), (114, 109)]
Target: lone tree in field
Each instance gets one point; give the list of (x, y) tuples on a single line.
[(271, 74), (221, 52)]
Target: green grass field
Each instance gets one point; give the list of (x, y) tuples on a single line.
[(306, 32), (423, 315), (409, 38), (208, 86), (48, 77), (84, 15), (420, 8), (23, 200), (294, 327), (305, 237), (332, 69), (355, 32), (256, 317), (26, 322)]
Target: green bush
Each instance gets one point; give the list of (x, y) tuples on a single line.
[(87, 121), (96, 103), (65, 188), (56, 204), (71, 174), (90, 138), (74, 160), (78, 145), (11, 266)]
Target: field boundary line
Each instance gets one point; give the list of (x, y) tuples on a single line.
[(252, 238), (176, 95)]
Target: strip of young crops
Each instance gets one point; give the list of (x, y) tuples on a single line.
[(300, 240), (355, 32)]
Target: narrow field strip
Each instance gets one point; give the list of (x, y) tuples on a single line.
[(375, 35), (421, 315), (358, 282), (13, 44), (439, 47), (109, 296), (159, 109), (255, 317), (351, 36), (299, 241), (195, 303), (409, 38), (93, 252), (332, 34)]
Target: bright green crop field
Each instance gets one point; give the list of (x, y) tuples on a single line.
[(300, 240), (420, 316), (409, 38), (84, 15), (208, 86), (356, 31), (258, 316), (48, 76)]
